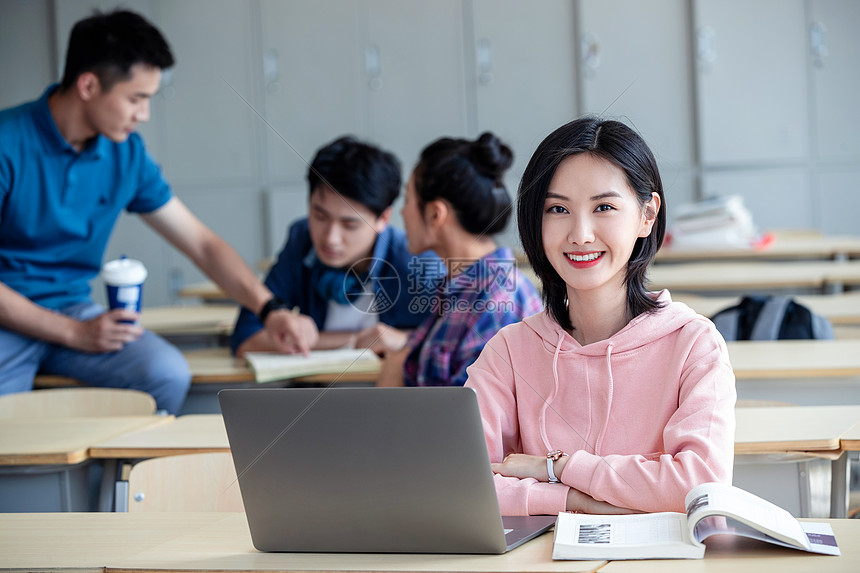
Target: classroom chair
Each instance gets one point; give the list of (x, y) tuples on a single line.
[(187, 482), (76, 403)]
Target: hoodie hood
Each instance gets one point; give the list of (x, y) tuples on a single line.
[(641, 331)]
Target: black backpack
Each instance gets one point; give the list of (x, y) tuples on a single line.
[(765, 317)]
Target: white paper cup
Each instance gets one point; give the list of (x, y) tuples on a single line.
[(124, 281)]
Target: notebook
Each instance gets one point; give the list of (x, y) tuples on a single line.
[(368, 470)]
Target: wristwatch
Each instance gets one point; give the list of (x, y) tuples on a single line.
[(552, 457), (274, 303)]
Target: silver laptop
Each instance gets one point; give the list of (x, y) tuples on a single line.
[(368, 470)]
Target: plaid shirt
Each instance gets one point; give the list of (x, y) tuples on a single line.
[(466, 312)]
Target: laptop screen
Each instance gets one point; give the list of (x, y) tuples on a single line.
[(364, 469)]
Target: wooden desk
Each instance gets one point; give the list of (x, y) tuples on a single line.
[(728, 554), (192, 434), (842, 467), (44, 463), (851, 439), (221, 542), (214, 369), (209, 319), (818, 431), (208, 366), (808, 429), (805, 431), (207, 291), (759, 431), (755, 276), (795, 358), (803, 372), (217, 366), (783, 247), (63, 440), (840, 309), (188, 542)]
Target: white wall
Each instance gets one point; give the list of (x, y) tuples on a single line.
[(708, 82)]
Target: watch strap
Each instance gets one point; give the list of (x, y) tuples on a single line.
[(550, 472), (551, 458), (274, 303)]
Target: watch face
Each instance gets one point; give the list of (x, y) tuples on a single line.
[(555, 455)]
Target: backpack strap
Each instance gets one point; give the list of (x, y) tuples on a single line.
[(822, 329), (726, 322), (769, 320)]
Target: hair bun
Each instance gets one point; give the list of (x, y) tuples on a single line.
[(491, 156)]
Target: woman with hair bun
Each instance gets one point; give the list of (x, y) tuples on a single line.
[(455, 202)]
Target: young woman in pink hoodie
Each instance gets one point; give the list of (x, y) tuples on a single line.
[(615, 399)]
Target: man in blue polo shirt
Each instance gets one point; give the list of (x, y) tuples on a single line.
[(70, 162)]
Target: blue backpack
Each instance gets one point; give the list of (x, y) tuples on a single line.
[(766, 317)]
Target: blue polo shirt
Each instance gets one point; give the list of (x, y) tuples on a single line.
[(58, 207)]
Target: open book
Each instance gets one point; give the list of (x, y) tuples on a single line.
[(269, 366), (712, 508)]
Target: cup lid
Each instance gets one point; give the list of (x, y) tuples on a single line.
[(123, 272)]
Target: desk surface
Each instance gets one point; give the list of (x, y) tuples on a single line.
[(207, 291), (793, 428), (217, 319), (851, 439), (191, 434), (217, 366), (783, 247), (766, 430), (795, 358), (63, 440), (728, 276), (218, 541), (841, 308), (729, 554)]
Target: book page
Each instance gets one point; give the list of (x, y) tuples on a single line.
[(635, 536), (724, 500), (270, 366), (820, 535)]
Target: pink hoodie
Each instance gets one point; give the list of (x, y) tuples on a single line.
[(645, 415)]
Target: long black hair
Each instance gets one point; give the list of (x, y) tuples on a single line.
[(617, 143)]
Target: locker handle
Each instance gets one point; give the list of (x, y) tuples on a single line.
[(818, 43), (484, 61), (271, 71), (705, 50), (590, 54), (373, 67), (166, 88)]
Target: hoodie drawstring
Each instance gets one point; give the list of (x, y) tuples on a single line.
[(609, 393), (552, 396)]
